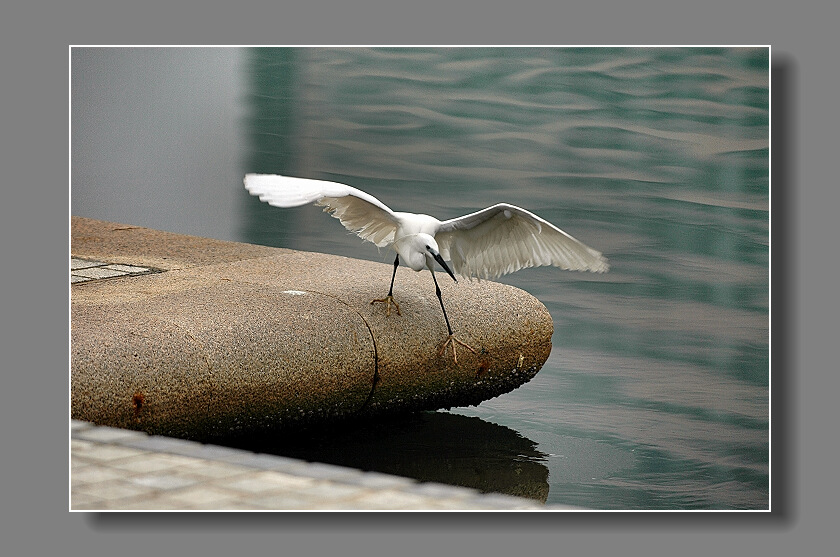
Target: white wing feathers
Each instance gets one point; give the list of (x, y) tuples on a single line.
[(504, 238), (486, 244), (358, 211)]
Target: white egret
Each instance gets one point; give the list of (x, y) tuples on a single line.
[(486, 244)]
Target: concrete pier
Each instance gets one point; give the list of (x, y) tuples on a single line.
[(177, 339), (191, 337)]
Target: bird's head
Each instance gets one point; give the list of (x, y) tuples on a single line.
[(431, 247)]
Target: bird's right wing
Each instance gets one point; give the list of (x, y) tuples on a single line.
[(358, 211), (505, 238)]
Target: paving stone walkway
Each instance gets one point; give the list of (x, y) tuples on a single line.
[(83, 270), (119, 469)]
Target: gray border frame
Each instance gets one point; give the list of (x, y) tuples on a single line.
[(34, 335)]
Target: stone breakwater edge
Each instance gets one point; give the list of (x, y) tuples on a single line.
[(120, 462)]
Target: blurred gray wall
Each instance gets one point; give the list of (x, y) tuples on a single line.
[(157, 137)]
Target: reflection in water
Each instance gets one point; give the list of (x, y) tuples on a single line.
[(428, 446)]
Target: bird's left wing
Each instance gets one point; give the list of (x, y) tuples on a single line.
[(358, 211), (504, 238)]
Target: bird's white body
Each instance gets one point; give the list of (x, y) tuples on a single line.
[(486, 244)]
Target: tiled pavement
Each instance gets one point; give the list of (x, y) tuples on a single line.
[(82, 270), (118, 469)]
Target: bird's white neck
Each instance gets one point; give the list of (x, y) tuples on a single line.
[(413, 250)]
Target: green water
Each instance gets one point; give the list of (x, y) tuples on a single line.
[(655, 395)]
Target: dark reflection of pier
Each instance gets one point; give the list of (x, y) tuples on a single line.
[(428, 446)]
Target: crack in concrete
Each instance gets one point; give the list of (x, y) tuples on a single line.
[(375, 380)]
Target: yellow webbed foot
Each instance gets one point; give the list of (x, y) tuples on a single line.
[(451, 340), (388, 300)]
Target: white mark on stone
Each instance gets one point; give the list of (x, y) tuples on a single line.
[(294, 292)]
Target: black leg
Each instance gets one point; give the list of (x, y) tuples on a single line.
[(396, 264), (389, 299), (451, 338), (440, 299)]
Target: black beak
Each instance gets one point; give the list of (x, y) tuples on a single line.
[(443, 264)]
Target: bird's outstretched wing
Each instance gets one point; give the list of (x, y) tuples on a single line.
[(504, 238), (358, 211)]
